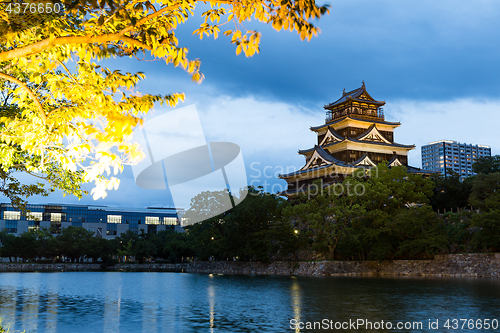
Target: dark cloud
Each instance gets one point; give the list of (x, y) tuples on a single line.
[(415, 50), (422, 50)]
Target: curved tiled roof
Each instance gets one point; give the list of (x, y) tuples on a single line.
[(353, 95), (304, 171), (371, 128), (334, 134), (365, 155), (305, 151), (395, 157), (372, 142), (315, 128), (365, 132), (324, 154)]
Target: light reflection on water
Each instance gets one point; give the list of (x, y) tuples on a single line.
[(176, 302)]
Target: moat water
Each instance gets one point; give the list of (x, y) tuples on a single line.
[(176, 302)]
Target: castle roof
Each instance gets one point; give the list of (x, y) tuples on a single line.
[(375, 143), (353, 117), (359, 95), (305, 151)]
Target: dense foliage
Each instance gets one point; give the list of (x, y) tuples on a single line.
[(386, 216), (64, 117)]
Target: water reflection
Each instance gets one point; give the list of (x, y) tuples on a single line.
[(173, 302), (111, 316), (211, 302), (51, 310), (295, 293), (8, 300), (29, 302)]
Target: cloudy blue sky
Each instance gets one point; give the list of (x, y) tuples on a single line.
[(435, 63)]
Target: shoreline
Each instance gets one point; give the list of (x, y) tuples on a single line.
[(464, 265)]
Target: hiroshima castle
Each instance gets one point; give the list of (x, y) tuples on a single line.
[(355, 136)]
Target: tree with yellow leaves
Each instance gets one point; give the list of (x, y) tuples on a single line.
[(66, 119)]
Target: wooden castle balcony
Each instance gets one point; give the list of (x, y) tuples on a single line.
[(368, 114)]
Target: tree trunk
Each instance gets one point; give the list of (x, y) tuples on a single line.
[(334, 247)]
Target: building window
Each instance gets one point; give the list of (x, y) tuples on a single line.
[(152, 229), (114, 219), (8, 215), (34, 216), (11, 226), (170, 220), (111, 229), (55, 217), (152, 220)]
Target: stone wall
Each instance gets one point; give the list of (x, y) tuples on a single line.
[(64, 267), (473, 264), (21, 267)]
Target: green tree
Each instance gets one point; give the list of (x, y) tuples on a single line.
[(247, 227), (70, 118), (389, 192), (487, 235), (47, 243), (486, 196), (329, 213), (382, 216), (174, 245), (143, 248), (8, 242), (100, 248), (419, 232), (287, 238), (72, 242), (450, 192), (486, 191), (246, 231), (487, 164), (125, 244), (459, 230), (27, 246), (204, 239)]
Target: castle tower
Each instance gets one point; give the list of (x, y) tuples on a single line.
[(355, 136)]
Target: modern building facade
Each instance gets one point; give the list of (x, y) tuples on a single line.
[(446, 155), (355, 136), (104, 221)]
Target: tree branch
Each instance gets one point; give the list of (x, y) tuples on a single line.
[(69, 73), (54, 41), (135, 42), (35, 175), (30, 93)]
